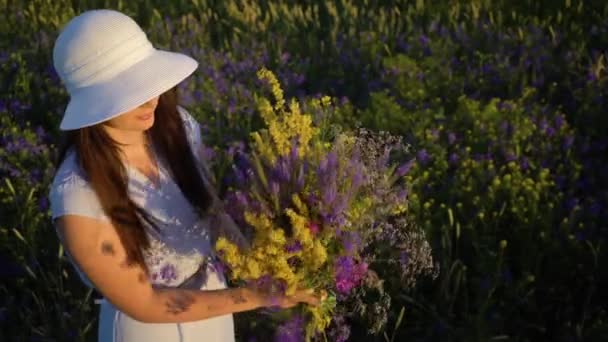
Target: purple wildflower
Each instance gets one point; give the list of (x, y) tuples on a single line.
[(291, 331), (424, 40), (348, 273), (351, 241), (423, 156), (451, 138), (405, 168), (293, 247), (559, 122), (453, 159), (524, 163), (568, 142)]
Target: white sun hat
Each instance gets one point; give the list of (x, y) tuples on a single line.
[(109, 67)]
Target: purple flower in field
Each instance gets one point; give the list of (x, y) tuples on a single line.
[(423, 156), (36, 175), (291, 331), (43, 203), (40, 133), (405, 168), (453, 159), (208, 153), (435, 133), (524, 163), (451, 138), (168, 272), (559, 122), (506, 127), (285, 57), (424, 40), (543, 124), (568, 142), (509, 156)]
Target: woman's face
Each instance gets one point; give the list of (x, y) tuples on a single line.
[(138, 119)]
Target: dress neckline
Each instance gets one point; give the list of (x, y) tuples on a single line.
[(159, 168)]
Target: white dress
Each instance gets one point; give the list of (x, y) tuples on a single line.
[(174, 257)]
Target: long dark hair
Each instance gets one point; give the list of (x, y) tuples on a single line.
[(98, 156)]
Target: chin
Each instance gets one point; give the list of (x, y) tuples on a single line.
[(146, 126)]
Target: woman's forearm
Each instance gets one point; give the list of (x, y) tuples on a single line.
[(175, 305)]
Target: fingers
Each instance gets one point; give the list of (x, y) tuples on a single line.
[(310, 297)]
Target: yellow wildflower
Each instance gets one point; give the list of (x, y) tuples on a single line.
[(274, 84), (301, 206), (263, 148), (399, 209), (326, 101), (277, 236), (318, 255), (253, 269), (300, 227), (230, 251)]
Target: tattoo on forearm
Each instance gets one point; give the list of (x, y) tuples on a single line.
[(237, 297), (179, 303), (107, 248)]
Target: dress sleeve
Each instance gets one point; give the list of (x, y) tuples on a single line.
[(71, 193), (193, 133)]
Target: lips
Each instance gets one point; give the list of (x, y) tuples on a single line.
[(145, 116)]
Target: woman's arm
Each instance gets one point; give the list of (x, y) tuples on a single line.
[(170, 305), (95, 246)]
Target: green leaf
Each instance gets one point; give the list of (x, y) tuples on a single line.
[(19, 236), (398, 323), (9, 184)]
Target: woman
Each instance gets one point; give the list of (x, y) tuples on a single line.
[(132, 200)]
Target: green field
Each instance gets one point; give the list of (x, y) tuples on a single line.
[(503, 104)]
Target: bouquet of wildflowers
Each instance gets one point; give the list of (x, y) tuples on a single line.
[(313, 202)]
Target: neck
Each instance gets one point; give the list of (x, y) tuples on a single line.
[(128, 140)]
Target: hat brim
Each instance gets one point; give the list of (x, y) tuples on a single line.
[(150, 77)]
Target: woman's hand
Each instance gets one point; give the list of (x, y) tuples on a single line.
[(307, 296), (275, 299)]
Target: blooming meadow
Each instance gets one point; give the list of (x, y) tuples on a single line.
[(494, 113)]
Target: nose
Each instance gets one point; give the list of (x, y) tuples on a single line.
[(151, 103)]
